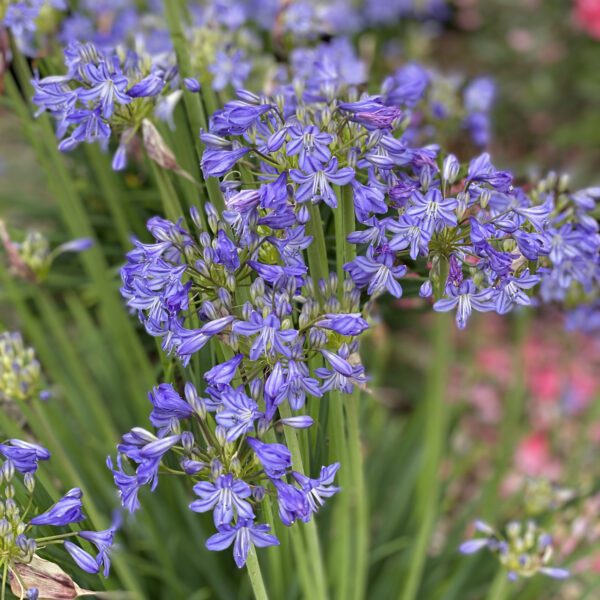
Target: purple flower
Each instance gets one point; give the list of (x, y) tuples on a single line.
[(239, 413), (191, 340), (237, 117), (407, 86), (103, 540), (168, 407), (243, 535), (377, 271), (67, 510), (316, 490), (465, 298), (344, 324), (373, 115), (229, 69), (482, 170), (311, 145), (223, 373), (216, 162), (343, 376), (151, 85), (271, 338), (224, 495), (107, 86), (275, 458), (292, 503), (432, 211), (90, 126), (128, 485), (511, 291), (316, 185), (192, 85), (85, 561), (24, 455)]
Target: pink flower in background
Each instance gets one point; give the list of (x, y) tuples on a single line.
[(533, 457), (587, 16), (545, 384)]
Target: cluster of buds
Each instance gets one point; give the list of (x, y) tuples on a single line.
[(524, 549), (19, 546), (20, 373), (32, 259)]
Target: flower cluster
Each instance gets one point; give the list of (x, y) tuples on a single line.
[(524, 551), (240, 279), (32, 258), (476, 239), (20, 372), (20, 545), (22, 17), (101, 93)]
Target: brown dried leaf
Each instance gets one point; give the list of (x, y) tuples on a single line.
[(51, 581), (158, 150)]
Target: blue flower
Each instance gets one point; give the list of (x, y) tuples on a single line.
[(271, 338), (103, 540), (432, 211), (67, 510), (107, 86), (316, 490), (343, 376), (465, 298), (511, 291), (344, 324), (275, 458), (229, 69), (224, 495), (310, 144), (292, 503), (151, 85), (239, 413), (168, 407), (377, 272), (216, 162), (223, 373), (316, 185), (84, 560), (244, 534), (24, 455)]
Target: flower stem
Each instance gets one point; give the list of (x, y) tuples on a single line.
[(256, 580), (428, 486), (4, 578), (499, 587)]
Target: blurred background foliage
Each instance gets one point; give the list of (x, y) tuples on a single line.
[(517, 398)]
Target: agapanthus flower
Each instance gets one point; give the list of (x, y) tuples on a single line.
[(243, 535), (225, 497)]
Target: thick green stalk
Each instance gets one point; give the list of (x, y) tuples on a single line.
[(310, 529), (171, 205), (317, 251), (346, 252), (499, 587), (341, 554), (111, 190), (428, 486), (256, 579), (174, 14)]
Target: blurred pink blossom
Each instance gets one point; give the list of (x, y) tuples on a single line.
[(587, 16)]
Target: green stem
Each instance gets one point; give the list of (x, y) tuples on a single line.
[(341, 555), (317, 251), (499, 587), (310, 529), (256, 580), (4, 574), (428, 486)]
